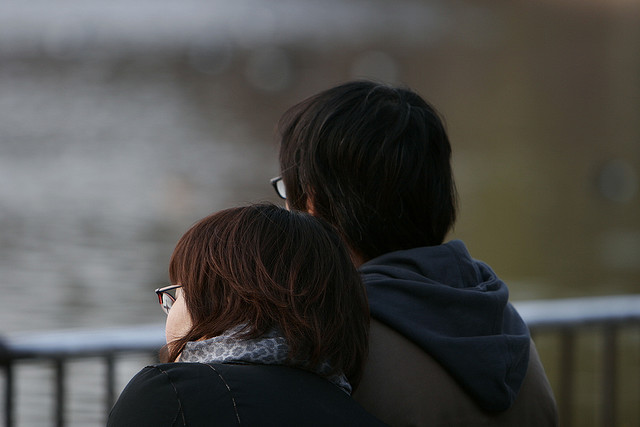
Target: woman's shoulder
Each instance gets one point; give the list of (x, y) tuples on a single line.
[(147, 399), (281, 395), (232, 394), (159, 395)]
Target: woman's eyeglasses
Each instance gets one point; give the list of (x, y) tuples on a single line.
[(278, 185), (167, 296)]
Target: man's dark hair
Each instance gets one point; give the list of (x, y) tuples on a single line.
[(373, 160)]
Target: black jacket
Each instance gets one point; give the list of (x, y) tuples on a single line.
[(196, 394)]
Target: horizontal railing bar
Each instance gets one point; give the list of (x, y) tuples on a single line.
[(542, 314), (538, 314), (85, 342)]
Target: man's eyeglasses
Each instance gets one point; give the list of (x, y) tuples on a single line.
[(167, 296), (278, 185)]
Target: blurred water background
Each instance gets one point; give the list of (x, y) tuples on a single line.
[(123, 122)]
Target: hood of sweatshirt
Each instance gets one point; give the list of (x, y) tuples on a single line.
[(457, 310)]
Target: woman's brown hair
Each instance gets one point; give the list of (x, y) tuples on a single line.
[(262, 267)]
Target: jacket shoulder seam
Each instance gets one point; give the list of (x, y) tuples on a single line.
[(233, 400), (175, 390)]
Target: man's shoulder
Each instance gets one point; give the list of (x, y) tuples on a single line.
[(404, 385)]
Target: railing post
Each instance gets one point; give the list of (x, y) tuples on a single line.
[(110, 380), (59, 367), (8, 393), (567, 368), (609, 373)]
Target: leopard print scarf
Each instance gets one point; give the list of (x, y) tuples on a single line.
[(270, 349)]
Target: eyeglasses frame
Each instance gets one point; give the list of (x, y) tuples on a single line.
[(165, 290), (274, 182)]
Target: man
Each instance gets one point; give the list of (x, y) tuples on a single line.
[(446, 347)]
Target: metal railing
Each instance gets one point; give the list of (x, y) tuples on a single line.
[(59, 347), (565, 319)]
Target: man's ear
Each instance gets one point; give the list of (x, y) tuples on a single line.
[(310, 209), (356, 258), (310, 205)]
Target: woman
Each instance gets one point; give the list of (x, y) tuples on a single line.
[(268, 326)]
